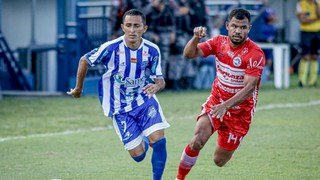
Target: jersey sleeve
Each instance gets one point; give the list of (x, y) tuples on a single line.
[(256, 64), (97, 55), (155, 65), (209, 47)]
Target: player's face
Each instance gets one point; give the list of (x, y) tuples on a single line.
[(238, 30), (133, 29)]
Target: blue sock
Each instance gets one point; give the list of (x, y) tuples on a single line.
[(143, 155), (159, 158)]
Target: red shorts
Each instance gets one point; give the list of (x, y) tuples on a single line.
[(232, 129), (227, 139)]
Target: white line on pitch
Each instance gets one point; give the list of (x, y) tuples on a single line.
[(288, 105), (56, 133), (259, 108)]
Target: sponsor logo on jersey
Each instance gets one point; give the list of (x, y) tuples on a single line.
[(255, 63), (237, 61), (244, 51), (230, 54), (229, 90)]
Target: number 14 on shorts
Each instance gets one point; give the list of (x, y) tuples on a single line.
[(234, 139)]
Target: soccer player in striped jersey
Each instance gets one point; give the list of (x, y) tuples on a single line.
[(231, 104), (127, 90)]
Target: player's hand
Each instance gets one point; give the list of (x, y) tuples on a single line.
[(151, 89), (218, 111), (200, 32), (76, 93)]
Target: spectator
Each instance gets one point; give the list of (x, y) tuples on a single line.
[(198, 17), (308, 13), (161, 29), (206, 73), (268, 34), (124, 5), (177, 61)]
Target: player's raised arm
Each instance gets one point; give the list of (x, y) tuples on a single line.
[(191, 50), (81, 74)]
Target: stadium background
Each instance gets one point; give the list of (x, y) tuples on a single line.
[(47, 37)]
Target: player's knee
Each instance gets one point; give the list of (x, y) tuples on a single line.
[(219, 162), (196, 144), (139, 158)]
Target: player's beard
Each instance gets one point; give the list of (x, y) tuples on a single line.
[(237, 42)]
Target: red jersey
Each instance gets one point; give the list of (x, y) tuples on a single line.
[(232, 64)]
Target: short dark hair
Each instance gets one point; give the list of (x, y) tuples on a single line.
[(135, 12), (239, 14)]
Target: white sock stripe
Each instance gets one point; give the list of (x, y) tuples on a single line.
[(188, 159)]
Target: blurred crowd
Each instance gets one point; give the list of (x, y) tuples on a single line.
[(170, 26)]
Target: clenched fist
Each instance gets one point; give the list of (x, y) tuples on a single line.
[(200, 32)]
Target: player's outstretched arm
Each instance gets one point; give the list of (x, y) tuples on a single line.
[(191, 50), (250, 85), (81, 74)]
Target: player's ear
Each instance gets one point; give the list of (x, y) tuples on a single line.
[(227, 24), (145, 28), (250, 26), (122, 27)]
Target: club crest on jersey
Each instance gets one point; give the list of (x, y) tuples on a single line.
[(237, 61)]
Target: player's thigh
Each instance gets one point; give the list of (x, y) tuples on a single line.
[(315, 45), (155, 136), (222, 156), (129, 132), (138, 150), (305, 43), (152, 121), (228, 142)]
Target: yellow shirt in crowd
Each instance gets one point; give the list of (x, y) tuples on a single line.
[(310, 9)]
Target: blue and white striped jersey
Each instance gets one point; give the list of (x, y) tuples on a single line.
[(127, 72)]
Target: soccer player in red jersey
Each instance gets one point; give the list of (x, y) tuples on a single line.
[(231, 104)]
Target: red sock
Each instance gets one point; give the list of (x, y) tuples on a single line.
[(188, 159)]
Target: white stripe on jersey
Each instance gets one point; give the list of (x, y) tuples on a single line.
[(125, 74), (230, 75)]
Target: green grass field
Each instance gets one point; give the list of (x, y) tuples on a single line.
[(66, 138)]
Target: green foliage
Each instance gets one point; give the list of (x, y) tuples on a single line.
[(282, 143)]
